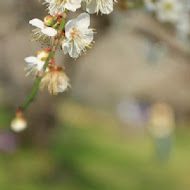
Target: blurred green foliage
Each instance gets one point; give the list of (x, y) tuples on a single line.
[(90, 151), (5, 117)]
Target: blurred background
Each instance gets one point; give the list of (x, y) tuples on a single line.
[(123, 125)]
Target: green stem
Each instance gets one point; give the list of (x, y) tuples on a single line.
[(39, 78)]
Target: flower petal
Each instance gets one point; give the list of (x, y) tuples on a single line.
[(40, 65), (73, 5), (70, 47), (49, 31), (83, 21), (37, 23), (31, 59)]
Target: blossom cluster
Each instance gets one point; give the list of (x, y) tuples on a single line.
[(73, 37), (175, 12)]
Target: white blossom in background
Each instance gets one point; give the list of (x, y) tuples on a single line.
[(183, 27), (96, 6), (58, 6), (175, 12), (149, 5), (78, 36), (56, 81), (169, 10)]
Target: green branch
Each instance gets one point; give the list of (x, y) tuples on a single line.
[(39, 78)]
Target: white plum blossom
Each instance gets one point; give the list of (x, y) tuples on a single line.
[(149, 5), (96, 6), (56, 81), (58, 6), (35, 64), (78, 36), (169, 10), (42, 30)]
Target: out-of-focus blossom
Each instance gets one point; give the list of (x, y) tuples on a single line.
[(149, 5), (169, 10), (183, 26), (175, 12)]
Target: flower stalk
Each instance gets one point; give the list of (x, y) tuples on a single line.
[(72, 37), (51, 55)]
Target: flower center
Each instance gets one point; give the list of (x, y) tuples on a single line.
[(75, 33)]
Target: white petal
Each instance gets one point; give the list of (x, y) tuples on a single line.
[(73, 5), (65, 46), (31, 59), (40, 65), (69, 47), (83, 20), (37, 23), (88, 36), (49, 31), (63, 84), (91, 7), (73, 50)]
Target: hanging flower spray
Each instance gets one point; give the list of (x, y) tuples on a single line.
[(74, 37)]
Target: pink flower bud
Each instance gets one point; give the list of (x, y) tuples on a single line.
[(49, 20)]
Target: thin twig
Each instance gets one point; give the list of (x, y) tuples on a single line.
[(51, 55)]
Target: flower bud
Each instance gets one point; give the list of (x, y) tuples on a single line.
[(49, 20), (18, 124), (42, 55)]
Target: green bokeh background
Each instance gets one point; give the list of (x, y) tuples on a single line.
[(89, 152)]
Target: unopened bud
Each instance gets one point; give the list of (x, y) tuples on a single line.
[(49, 20), (18, 124)]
